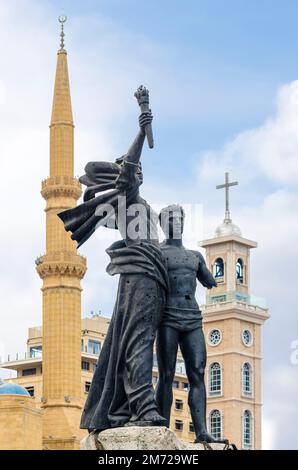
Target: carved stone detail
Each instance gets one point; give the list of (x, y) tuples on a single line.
[(58, 186), (61, 263)]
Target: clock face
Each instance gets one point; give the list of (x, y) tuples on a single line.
[(247, 337), (214, 337)]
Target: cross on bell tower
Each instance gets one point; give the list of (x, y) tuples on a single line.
[(227, 185)]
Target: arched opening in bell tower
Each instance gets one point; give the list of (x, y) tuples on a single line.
[(240, 271), (219, 269)]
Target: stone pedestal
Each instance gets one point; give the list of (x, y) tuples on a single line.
[(140, 438)]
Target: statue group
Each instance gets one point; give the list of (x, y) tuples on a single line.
[(155, 297)]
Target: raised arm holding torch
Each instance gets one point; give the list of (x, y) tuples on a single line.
[(142, 95)]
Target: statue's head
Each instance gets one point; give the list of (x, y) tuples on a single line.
[(171, 219), (119, 162)]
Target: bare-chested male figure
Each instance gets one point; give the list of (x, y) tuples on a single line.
[(182, 323)]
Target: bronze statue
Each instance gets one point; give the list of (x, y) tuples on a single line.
[(181, 323), (156, 291), (121, 392)]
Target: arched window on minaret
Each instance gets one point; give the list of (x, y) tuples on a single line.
[(218, 269), (215, 379), (247, 430), (246, 379), (215, 424), (239, 271)]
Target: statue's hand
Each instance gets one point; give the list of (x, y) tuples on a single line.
[(213, 284), (144, 120)]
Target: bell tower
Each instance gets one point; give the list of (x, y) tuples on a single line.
[(232, 320), (61, 269)]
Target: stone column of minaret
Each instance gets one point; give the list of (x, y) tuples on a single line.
[(61, 270)]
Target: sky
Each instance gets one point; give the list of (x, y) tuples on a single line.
[(222, 76)]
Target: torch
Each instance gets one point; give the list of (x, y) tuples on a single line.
[(142, 95)]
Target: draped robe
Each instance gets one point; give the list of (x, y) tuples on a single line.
[(121, 389)]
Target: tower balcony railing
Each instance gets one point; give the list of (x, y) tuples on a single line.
[(10, 359), (234, 296)]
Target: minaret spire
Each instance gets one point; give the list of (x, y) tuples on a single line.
[(61, 156), (61, 269), (62, 19)]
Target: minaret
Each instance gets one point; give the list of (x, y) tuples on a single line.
[(232, 320), (61, 270)]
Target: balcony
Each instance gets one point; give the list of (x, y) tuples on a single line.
[(229, 304), (18, 362), (232, 296)]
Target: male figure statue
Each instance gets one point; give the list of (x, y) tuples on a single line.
[(121, 391), (182, 323)]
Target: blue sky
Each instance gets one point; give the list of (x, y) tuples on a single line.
[(222, 78)]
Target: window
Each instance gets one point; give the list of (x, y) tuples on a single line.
[(178, 425), (247, 429), (36, 351), (85, 365), (215, 424), (94, 347), (246, 379), (175, 384), (154, 380), (30, 390), (191, 427), (26, 372), (87, 387), (247, 338), (215, 379), (239, 271), (82, 345), (178, 404), (180, 367), (185, 386), (218, 268), (214, 337)]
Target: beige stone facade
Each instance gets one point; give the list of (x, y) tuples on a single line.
[(20, 423), (232, 325)]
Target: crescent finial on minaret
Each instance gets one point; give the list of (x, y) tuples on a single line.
[(62, 20)]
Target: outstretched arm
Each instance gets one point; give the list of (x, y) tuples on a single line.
[(204, 275)]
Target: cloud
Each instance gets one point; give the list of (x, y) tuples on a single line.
[(265, 206), (280, 410), (101, 105), (269, 151)]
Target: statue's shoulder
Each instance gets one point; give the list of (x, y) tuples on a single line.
[(198, 255)]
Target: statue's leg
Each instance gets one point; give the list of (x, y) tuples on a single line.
[(166, 350), (193, 349)]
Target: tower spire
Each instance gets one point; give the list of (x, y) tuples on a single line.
[(227, 228), (61, 269), (61, 156), (62, 19), (227, 185)]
